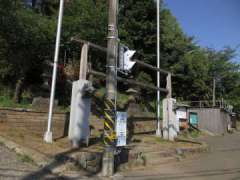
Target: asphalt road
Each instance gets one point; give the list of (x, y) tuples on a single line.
[(222, 162)]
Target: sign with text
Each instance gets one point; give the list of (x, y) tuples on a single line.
[(121, 128)]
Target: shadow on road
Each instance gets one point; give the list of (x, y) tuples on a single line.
[(61, 158)]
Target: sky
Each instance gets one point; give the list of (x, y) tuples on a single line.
[(213, 23)]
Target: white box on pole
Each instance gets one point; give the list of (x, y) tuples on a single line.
[(121, 128)]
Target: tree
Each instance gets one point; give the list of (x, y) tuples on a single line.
[(191, 81), (87, 20), (225, 72), (27, 35)]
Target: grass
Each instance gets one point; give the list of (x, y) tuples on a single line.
[(191, 134), (195, 134), (24, 158), (6, 101), (122, 100), (161, 140)]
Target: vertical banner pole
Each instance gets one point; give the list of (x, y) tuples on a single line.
[(48, 133), (158, 132)]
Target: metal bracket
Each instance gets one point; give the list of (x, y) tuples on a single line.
[(111, 27), (122, 72), (112, 37)]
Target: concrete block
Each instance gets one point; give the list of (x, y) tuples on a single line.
[(165, 119), (169, 119)]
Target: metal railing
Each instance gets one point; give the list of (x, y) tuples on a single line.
[(209, 104)]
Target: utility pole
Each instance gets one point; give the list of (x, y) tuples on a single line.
[(158, 131), (111, 87)]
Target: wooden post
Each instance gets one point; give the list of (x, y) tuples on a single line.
[(169, 85), (84, 62)]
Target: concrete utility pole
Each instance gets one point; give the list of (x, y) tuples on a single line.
[(158, 131), (109, 112), (48, 133)]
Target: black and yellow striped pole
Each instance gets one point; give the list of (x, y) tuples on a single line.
[(111, 89), (109, 123)]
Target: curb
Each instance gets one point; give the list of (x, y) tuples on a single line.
[(204, 148)]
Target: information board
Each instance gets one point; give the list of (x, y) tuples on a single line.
[(121, 128), (181, 113)]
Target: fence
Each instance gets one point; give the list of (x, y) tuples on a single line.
[(209, 104)]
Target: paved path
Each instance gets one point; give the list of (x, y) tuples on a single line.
[(221, 163)]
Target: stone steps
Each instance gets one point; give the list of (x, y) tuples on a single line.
[(147, 156)]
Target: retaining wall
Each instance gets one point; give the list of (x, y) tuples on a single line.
[(36, 122)]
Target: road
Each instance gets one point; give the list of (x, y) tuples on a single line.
[(17, 167), (13, 166), (222, 162)]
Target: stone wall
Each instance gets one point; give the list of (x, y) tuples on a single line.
[(142, 125), (36, 122)]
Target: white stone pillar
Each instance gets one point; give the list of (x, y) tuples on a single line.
[(79, 114), (169, 119)]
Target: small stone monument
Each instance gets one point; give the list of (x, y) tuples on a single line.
[(132, 106)]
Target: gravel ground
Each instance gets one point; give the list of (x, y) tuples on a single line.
[(18, 167), (14, 166)]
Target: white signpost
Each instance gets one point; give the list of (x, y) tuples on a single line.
[(121, 129)]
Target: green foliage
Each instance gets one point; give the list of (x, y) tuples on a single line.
[(49, 7), (86, 20), (6, 101), (24, 158), (191, 133), (192, 76), (27, 37), (144, 77), (137, 26)]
